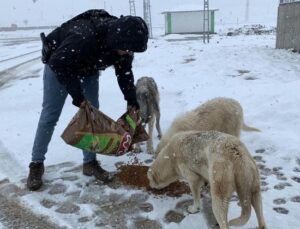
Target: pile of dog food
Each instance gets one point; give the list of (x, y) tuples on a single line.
[(136, 175)]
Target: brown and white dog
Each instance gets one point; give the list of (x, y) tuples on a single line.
[(220, 159), (220, 114)]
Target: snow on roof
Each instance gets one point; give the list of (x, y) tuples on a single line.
[(187, 7)]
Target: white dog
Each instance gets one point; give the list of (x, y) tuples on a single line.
[(218, 158), (220, 114)]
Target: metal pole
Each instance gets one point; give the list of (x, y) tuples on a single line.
[(147, 16), (247, 11), (132, 7), (206, 16)]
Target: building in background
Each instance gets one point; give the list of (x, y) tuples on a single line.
[(188, 19), (288, 25), (288, 1)]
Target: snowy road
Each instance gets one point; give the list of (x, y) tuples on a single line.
[(18, 55), (14, 215), (19, 71), (13, 59)]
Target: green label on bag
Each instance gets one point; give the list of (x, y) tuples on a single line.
[(104, 143), (131, 122)]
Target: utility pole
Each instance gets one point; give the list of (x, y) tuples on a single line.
[(132, 7), (206, 28), (247, 11), (147, 16)]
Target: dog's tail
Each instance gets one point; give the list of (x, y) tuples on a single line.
[(243, 219), (255, 201), (246, 211), (243, 181), (249, 128), (257, 205)]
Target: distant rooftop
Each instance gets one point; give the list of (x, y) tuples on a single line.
[(187, 8)]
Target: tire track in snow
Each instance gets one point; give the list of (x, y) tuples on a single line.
[(16, 57), (13, 73)]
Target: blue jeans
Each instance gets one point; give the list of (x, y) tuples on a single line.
[(54, 98)]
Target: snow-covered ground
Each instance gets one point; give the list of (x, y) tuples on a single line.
[(247, 68)]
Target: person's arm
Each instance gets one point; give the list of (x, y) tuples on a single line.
[(123, 69), (65, 63)]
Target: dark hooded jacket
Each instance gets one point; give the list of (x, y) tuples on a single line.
[(88, 43)]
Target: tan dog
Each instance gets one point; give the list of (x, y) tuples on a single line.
[(220, 114), (218, 158)]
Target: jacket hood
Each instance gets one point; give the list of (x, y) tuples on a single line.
[(127, 33)]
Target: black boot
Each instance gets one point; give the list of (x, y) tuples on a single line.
[(36, 171), (94, 169)]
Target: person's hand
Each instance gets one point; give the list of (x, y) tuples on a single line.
[(46, 52), (131, 108), (83, 104)]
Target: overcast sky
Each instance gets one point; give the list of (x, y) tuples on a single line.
[(54, 12)]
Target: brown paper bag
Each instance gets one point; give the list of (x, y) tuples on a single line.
[(140, 135), (92, 130), (130, 122)]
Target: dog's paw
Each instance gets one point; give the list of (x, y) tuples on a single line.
[(159, 136), (150, 151), (193, 209), (137, 150)]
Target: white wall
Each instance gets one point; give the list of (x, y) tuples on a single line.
[(187, 22)]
